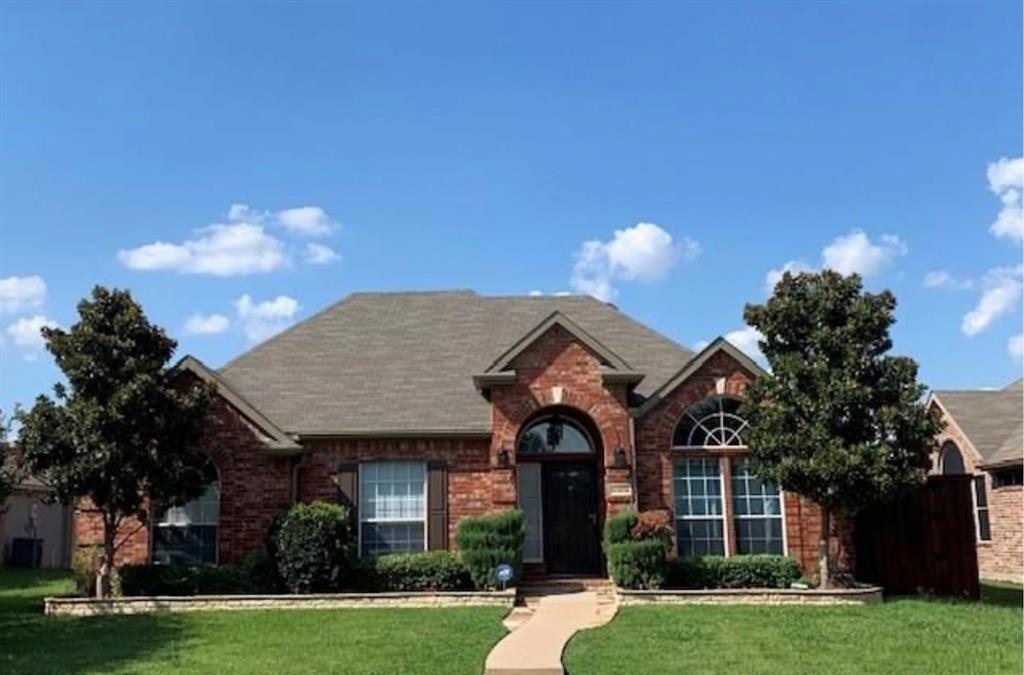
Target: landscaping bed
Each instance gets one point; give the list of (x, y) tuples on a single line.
[(866, 595)]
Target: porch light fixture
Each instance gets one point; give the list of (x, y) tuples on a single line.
[(503, 458), (620, 459)]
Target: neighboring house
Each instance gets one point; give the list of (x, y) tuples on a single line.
[(419, 409), (27, 514), (984, 437)]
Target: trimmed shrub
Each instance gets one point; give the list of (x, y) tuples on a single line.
[(181, 580), (85, 565), (636, 547), (313, 547), (638, 564), (488, 541), (619, 528), (428, 571), (741, 571)]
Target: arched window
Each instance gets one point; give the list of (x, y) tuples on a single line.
[(713, 423), (187, 535), (950, 459), (554, 434)]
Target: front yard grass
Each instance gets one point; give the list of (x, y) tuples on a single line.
[(905, 635), (288, 641)]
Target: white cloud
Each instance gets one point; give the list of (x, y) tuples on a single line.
[(1015, 345), (847, 254), (318, 254), (1006, 180), (536, 294), (265, 319), (746, 339), (235, 249), (644, 253), (18, 293), (25, 334), (209, 324), (309, 221), (1001, 296), (946, 281), (855, 253)]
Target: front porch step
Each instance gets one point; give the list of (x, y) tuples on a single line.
[(532, 590)]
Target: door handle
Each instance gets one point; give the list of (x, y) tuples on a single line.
[(593, 518)]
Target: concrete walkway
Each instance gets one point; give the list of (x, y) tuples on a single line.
[(535, 647)]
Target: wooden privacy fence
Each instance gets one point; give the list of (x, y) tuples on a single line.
[(921, 542)]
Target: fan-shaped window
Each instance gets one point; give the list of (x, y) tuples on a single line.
[(713, 422), (952, 461), (554, 434)]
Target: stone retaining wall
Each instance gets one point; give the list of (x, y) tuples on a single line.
[(753, 596), (209, 603)]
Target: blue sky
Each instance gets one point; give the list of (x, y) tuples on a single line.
[(246, 164)]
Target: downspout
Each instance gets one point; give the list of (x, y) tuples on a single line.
[(631, 426)]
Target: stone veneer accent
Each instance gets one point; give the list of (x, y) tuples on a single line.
[(220, 603), (870, 595)]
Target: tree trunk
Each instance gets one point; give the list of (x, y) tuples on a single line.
[(106, 572), (824, 562)]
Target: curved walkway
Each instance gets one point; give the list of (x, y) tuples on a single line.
[(535, 647)]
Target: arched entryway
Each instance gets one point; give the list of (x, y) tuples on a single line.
[(558, 456)]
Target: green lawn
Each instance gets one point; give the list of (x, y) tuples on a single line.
[(905, 635), (307, 641)]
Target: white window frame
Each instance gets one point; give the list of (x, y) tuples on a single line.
[(978, 509), (782, 508), (721, 496), (362, 519)]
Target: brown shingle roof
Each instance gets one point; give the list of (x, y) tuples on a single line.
[(992, 420), (379, 363)]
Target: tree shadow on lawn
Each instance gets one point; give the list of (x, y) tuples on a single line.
[(34, 643), (995, 594)]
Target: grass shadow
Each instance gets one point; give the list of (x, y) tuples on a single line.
[(35, 643), (1002, 594)]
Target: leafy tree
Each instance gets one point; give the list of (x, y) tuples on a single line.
[(838, 420), (122, 433), (11, 471)]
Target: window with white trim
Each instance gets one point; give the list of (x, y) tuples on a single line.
[(700, 518), (392, 507), (187, 534), (711, 423), (981, 509), (756, 511)]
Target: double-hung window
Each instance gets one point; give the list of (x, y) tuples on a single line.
[(392, 507), (187, 534), (756, 510), (981, 509), (700, 518)]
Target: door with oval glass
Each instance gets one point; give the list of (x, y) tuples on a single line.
[(571, 541)]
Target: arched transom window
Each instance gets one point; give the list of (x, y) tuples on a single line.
[(711, 423), (554, 434)]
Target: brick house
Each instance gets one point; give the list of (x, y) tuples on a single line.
[(418, 409), (984, 437)]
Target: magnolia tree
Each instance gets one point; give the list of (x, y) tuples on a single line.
[(122, 433), (838, 420)]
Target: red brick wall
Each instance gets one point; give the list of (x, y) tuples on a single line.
[(469, 480), (254, 486), (1002, 558), (557, 370), (655, 457)]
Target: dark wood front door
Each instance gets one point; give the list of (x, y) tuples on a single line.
[(571, 543)]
